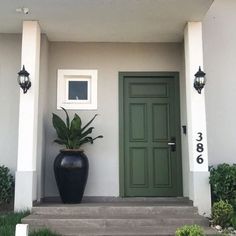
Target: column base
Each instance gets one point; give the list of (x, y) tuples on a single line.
[(200, 192), (25, 190)]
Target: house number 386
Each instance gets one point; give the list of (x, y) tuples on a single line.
[(199, 148)]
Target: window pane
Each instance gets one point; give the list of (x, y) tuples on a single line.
[(78, 90)]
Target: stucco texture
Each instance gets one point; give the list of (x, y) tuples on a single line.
[(219, 38), (10, 48), (108, 59)]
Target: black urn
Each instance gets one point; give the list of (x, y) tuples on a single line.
[(71, 173)]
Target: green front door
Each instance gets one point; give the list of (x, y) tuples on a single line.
[(150, 163)]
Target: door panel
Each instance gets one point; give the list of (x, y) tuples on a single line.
[(160, 121), (138, 122), (150, 114), (161, 167), (138, 168)]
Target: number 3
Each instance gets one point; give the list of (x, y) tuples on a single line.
[(200, 137)]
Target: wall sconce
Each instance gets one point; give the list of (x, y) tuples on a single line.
[(200, 80), (24, 80)]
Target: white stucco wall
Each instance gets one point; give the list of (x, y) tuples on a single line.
[(10, 53), (219, 37), (42, 114), (108, 59)]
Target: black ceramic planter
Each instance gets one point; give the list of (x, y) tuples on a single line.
[(71, 172)]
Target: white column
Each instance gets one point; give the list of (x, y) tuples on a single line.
[(196, 121), (25, 188)]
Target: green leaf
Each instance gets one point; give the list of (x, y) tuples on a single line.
[(89, 139), (86, 140), (67, 118), (60, 141), (89, 123), (75, 129), (71, 134), (87, 132), (100, 136), (60, 126)]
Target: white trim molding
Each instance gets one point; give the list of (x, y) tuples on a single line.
[(64, 77)]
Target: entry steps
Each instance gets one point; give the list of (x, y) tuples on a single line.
[(117, 218)]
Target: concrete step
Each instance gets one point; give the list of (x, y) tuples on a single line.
[(134, 221), (154, 200), (120, 210), (113, 231), (119, 218)]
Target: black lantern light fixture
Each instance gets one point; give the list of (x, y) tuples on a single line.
[(24, 80), (200, 80)]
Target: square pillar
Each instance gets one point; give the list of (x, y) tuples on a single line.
[(199, 188), (26, 176)]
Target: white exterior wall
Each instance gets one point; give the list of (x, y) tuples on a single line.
[(42, 114), (10, 48), (108, 59), (219, 38)]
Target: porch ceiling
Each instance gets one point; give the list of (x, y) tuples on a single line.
[(105, 20)]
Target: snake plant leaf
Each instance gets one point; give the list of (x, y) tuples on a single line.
[(70, 133), (87, 132), (89, 139), (75, 128), (86, 140), (67, 117), (99, 136), (88, 123), (60, 141), (60, 126)]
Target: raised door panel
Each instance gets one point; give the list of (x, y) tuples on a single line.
[(160, 122), (162, 167), (138, 123), (138, 168), (148, 90)]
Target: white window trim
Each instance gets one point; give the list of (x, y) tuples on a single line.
[(63, 78)]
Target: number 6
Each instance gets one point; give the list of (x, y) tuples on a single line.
[(200, 159)]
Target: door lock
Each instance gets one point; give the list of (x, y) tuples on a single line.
[(172, 144)]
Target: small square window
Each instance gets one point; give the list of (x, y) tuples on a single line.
[(77, 89)]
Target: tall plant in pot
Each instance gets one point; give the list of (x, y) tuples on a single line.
[(71, 164)]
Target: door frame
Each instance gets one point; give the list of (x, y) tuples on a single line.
[(122, 75)]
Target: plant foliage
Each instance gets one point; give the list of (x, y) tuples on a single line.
[(190, 230), (8, 222), (222, 213), (233, 221), (223, 183), (71, 133), (6, 185)]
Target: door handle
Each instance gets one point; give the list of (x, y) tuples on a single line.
[(172, 144)]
